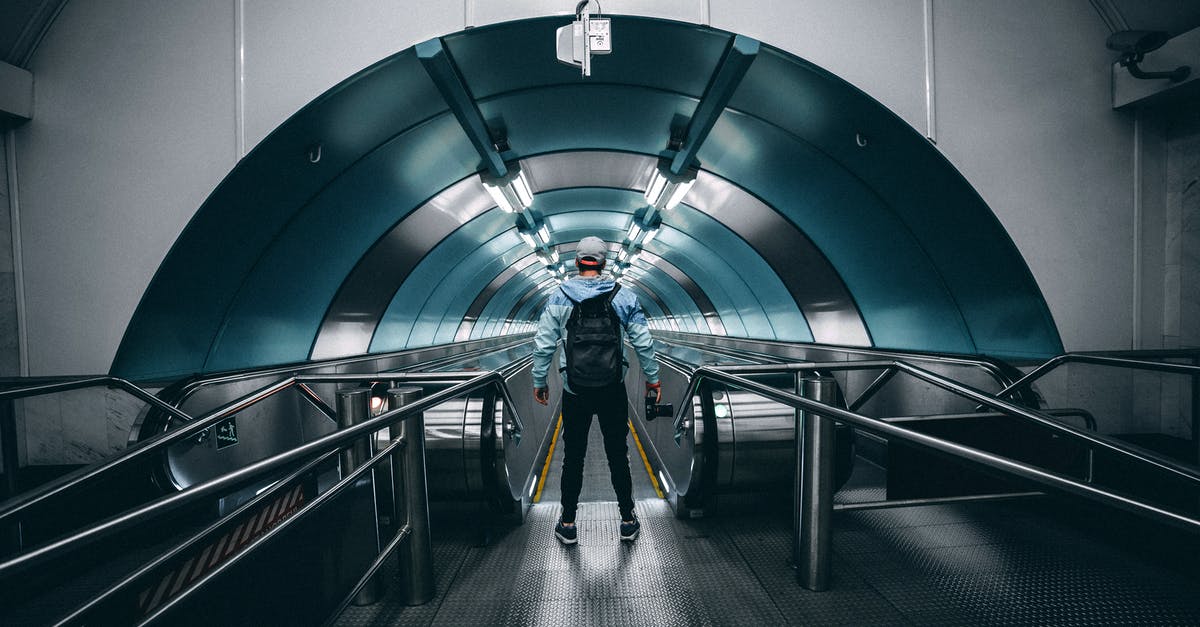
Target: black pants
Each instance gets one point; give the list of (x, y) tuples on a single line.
[(611, 408)]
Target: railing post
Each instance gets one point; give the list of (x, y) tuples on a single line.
[(353, 407), (813, 533), (412, 501)]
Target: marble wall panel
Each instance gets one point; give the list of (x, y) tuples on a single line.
[(1108, 394), (41, 420), (1189, 264), (1183, 226), (77, 427), (121, 411)]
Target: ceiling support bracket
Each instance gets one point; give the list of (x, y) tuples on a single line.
[(733, 66), (441, 68)]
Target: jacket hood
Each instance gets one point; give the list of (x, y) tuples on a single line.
[(583, 289)]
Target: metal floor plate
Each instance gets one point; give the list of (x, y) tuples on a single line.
[(1019, 563)]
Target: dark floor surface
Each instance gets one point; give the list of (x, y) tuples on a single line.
[(1035, 562)]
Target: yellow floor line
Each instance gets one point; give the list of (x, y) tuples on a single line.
[(537, 496), (645, 460)]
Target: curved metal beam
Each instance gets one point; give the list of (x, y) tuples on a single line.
[(816, 286), (485, 295), (539, 290), (364, 296)]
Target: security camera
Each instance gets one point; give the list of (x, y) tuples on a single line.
[(1135, 44)]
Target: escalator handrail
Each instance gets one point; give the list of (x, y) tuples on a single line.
[(997, 462), (338, 439), (191, 387), (1180, 470), (989, 366), (67, 385), (194, 425), (1096, 360)]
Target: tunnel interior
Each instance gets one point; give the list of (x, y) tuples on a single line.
[(809, 212)]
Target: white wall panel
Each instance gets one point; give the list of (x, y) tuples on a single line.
[(295, 51), (492, 11), (879, 47), (1024, 111), (133, 127)]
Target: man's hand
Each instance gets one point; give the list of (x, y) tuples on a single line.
[(657, 387), (541, 395)]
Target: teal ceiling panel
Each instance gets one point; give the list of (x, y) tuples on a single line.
[(754, 291), (442, 285), (186, 303), (590, 116), (924, 263), (898, 289), (286, 295), (670, 292), (714, 257), (1000, 301)]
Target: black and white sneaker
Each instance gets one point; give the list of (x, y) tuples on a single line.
[(567, 534), (630, 529)]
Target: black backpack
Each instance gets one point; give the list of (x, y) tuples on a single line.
[(594, 353)]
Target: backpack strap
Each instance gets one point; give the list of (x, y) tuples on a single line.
[(616, 288)]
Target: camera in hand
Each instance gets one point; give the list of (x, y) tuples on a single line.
[(654, 409)]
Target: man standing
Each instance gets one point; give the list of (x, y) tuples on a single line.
[(588, 314)]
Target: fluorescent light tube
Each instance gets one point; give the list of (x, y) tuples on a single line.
[(677, 194), (498, 196)]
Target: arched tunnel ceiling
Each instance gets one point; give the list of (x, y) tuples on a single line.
[(794, 229)]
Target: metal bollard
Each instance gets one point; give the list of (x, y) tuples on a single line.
[(412, 501), (353, 407), (813, 531)]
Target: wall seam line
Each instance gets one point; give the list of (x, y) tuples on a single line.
[(14, 205), (239, 84), (1136, 339), (930, 94)]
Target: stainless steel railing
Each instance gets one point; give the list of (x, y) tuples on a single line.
[(982, 398), (1097, 360), (730, 376), (461, 384), (756, 349), (193, 426)]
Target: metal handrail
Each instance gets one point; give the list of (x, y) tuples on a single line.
[(335, 440), (1097, 360), (323, 498), (984, 458), (9, 509), (132, 578), (1182, 471), (41, 389), (193, 386), (1089, 421), (985, 365)]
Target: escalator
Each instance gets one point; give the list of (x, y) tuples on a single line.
[(192, 513), (249, 477)]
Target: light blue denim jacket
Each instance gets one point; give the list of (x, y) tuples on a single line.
[(552, 327)]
